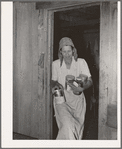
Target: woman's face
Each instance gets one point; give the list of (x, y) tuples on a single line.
[(67, 53)]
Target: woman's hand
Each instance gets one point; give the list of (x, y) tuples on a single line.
[(77, 90)]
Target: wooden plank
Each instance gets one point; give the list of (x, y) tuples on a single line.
[(15, 70), (26, 68), (31, 82), (112, 82), (41, 74), (112, 133), (49, 70), (46, 69), (112, 93), (26, 101), (108, 68), (103, 71), (51, 59), (47, 5), (60, 4), (34, 89)]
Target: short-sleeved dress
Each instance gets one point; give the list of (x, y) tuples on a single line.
[(70, 115)]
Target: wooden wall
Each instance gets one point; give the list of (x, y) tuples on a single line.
[(108, 72), (30, 93), (59, 4)]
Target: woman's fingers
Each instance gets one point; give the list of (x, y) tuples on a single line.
[(74, 88), (79, 89), (71, 85)]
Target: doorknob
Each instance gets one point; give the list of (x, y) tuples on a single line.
[(41, 60)]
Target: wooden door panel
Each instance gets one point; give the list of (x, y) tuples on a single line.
[(41, 74), (34, 88), (29, 88)]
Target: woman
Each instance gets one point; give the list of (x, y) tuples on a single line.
[(70, 114)]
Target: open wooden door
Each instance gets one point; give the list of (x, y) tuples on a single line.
[(31, 72), (108, 65)]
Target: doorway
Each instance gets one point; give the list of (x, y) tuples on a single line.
[(82, 25), (32, 92)]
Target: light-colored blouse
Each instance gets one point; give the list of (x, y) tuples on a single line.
[(77, 67)]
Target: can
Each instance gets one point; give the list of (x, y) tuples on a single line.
[(70, 79), (79, 81)]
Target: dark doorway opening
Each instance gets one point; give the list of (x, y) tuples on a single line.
[(83, 27)]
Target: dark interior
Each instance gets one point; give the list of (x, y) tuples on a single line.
[(83, 27)]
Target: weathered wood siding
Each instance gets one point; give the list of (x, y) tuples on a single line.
[(41, 73), (25, 70), (108, 71), (45, 48), (60, 4), (49, 104), (30, 75)]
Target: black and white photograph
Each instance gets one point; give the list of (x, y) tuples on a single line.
[(65, 74)]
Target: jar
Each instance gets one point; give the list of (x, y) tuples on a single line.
[(84, 78), (70, 79), (79, 81)]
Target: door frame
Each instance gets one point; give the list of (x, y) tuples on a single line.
[(50, 28)]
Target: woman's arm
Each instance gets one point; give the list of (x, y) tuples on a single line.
[(81, 89), (88, 83)]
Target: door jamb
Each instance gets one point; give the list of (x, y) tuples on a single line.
[(50, 33)]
